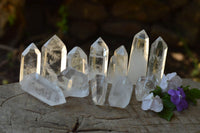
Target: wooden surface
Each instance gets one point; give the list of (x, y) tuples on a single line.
[(22, 113)]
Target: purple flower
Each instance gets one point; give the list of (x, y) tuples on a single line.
[(178, 98)]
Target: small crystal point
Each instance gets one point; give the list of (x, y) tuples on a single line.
[(157, 59), (99, 89), (120, 93), (143, 86), (77, 59), (54, 57), (118, 64), (43, 89), (30, 61), (138, 57), (98, 58), (73, 83)]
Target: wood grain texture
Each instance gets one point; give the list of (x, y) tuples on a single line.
[(22, 113)]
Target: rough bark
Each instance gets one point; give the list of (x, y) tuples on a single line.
[(22, 113)]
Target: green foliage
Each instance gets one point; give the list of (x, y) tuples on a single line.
[(192, 94), (157, 91), (11, 19), (63, 23), (4, 81), (168, 109)]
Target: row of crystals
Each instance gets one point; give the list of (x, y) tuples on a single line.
[(48, 79)]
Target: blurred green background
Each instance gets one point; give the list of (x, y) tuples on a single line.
[(81, 22)]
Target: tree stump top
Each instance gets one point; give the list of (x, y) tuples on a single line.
[(22, 113)]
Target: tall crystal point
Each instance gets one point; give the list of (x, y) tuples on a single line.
[(138, 57), (42, 89), (157, 59), (98, 58), (54, 57), (99, 89), (118, 64), (30, 61), (77, 59)]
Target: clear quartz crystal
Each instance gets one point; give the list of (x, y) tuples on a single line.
[(98, 58), (118, 64), (73, 83), (143, 86), (99, 89), (138, 57), (30, 61), (120, 93), (54, 57), (42, 89), (157, 59), (77, 59)]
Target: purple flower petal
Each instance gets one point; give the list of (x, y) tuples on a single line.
[(171, 92)]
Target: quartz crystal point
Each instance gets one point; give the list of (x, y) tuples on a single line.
[(120, 93), (118, 64), (143, 86), (73, 83), (157, 60), (30, 61), (98, 58), (54, 57), (77, 59), (99, 89), (138, 57), (42, 89)]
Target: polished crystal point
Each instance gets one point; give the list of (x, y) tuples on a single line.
[(157, 59), (120, 93), (138, 57), (77, 59), (99, 89), (54, 57), (73, 83), (30, 61), (42, 89), (98, 58), (143, 86), (118, 64)]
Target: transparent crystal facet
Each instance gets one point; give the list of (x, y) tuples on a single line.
[(157, 59), (99, 89), (98, 58), (138, 57), (30, 61), (118, 64), (77, 59), (42, 89), (120, 93), (143, 86), (54, 57), (73, 83)]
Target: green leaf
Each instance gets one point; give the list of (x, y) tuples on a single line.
[(157, 91), (167, 111), (166, 114), (192, 94)]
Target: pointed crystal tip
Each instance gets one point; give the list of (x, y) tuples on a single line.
[(121, 51), (142, 35), (31, 46), (54, 40), (99, 42), (77, 50), (160, 42)]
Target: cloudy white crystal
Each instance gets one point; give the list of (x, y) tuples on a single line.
[(42, 89), (73, 83), (118, 64), (138, 57), (120, 93)]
